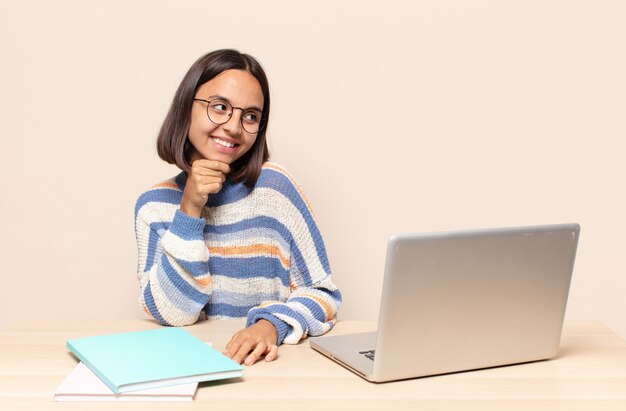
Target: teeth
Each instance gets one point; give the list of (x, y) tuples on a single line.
[(223, 143)]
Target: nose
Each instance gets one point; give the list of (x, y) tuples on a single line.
[(233, 125)]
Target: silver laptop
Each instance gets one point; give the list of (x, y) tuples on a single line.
[(464, 300)]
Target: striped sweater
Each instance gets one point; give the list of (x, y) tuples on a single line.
[(254, 253)]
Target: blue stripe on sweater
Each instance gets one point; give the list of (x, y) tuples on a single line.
[(248, 267), (281, 309), (181, 285), (263, 222), (195, 268), (151, 306), (187, 227), (317, 311), (230, 193), (335, 295)]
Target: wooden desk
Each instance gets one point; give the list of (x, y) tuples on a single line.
[(590, 374)]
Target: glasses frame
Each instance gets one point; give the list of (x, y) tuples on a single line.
[(230, 115)]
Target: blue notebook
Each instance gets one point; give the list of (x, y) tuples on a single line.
[(149, 359)]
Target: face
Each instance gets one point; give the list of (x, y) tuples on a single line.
[(229, 141)]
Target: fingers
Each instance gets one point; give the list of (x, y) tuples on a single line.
[(250, 344), (258, 351), (205, 177), (205, 185), (272, 352), (234, 345), (239, 346), (241, 353), (205, 172), (204, 165)]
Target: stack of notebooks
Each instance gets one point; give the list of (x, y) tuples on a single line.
[(164, 364)]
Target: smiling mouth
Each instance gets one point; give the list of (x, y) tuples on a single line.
[(224, 143)]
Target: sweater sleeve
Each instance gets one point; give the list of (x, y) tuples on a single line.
[(312, 305), (173, 272)]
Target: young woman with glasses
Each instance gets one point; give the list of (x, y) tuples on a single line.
[(232, 235)]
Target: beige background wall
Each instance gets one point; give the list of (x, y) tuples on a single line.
[(394, 116)]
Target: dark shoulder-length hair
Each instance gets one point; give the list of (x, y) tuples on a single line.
[(173, 143)]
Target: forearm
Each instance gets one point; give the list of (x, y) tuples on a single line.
[(308, 311), (174, 275), (172, 295)]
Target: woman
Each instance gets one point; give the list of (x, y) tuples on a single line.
[(231, 235)]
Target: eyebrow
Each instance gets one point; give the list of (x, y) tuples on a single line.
[(217, 96)]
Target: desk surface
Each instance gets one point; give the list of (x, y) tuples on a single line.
[(589, 374)]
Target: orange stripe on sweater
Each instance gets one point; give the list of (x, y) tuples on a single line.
[(268, 303), (166, 184), (204, 281), (239, 250), (325, 306)]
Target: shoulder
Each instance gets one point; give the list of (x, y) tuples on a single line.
[(165, 193), (275, 178)]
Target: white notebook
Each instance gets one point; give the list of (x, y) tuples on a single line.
[(83, 385)]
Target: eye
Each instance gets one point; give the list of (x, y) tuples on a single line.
[(220, 106), (251, 117)]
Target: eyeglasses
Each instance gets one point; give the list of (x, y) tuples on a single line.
[(220, 111)]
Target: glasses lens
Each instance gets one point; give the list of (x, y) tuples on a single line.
[(251, 120), (219, 111)]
